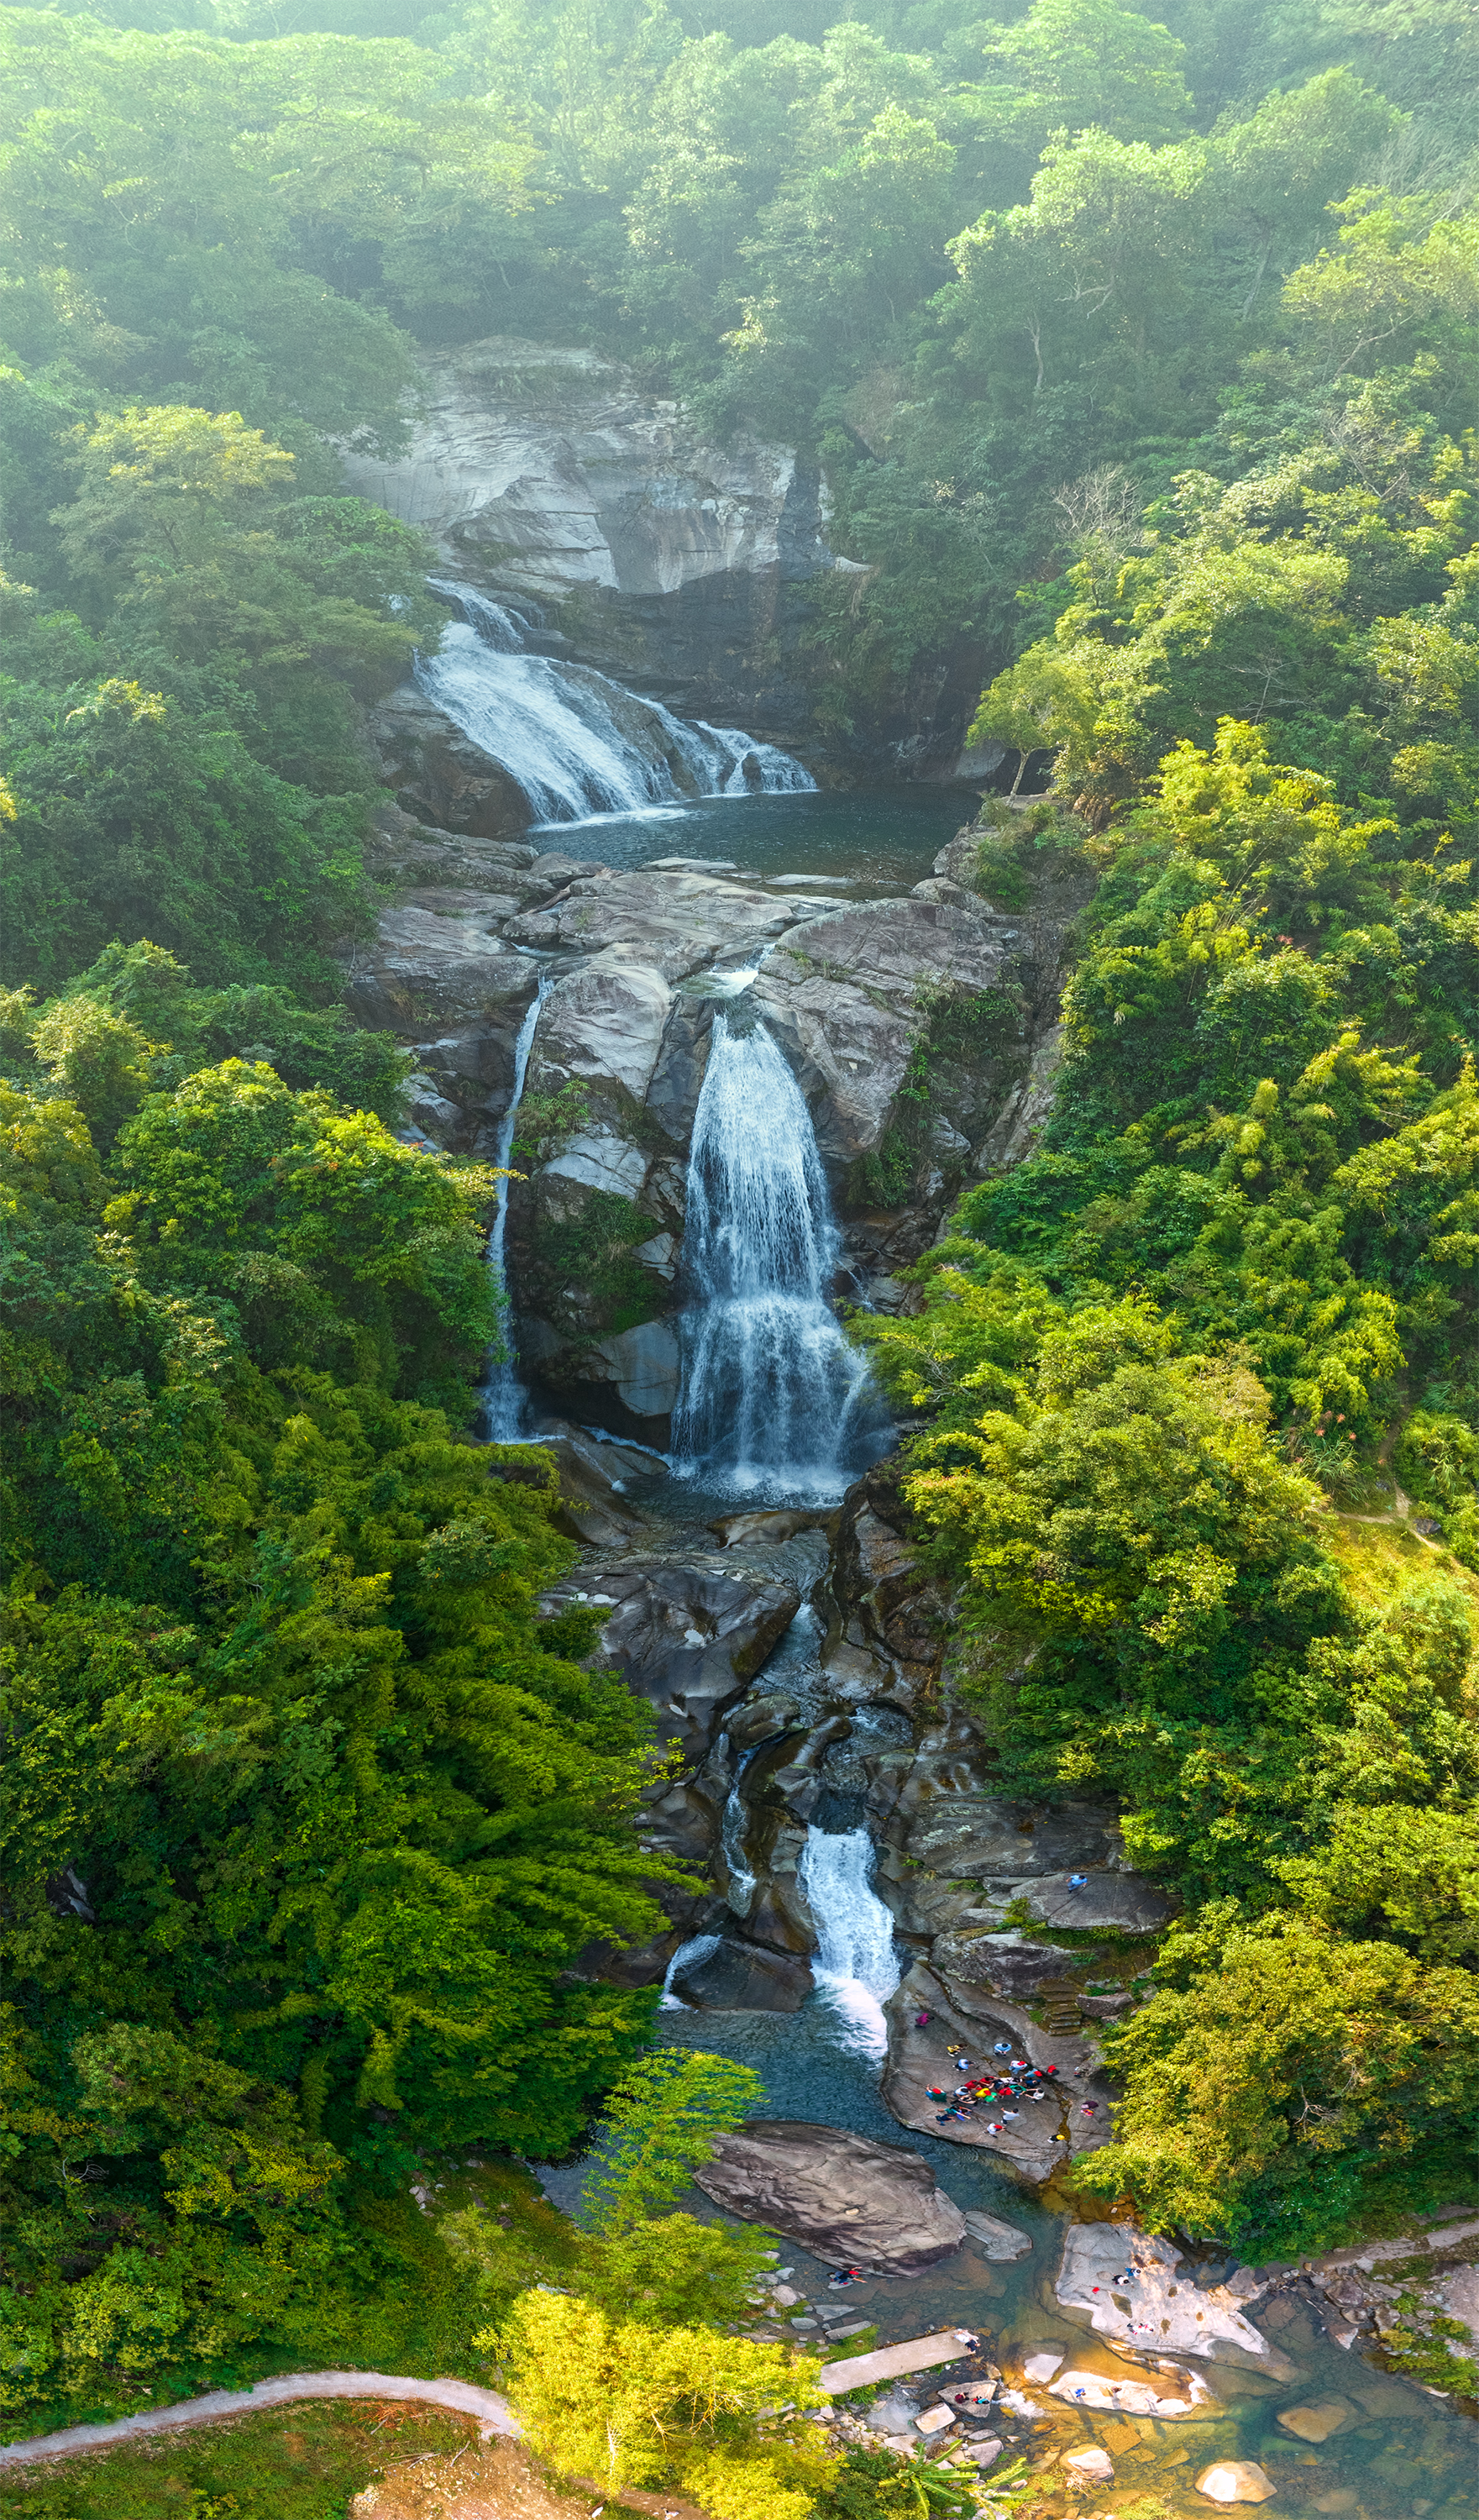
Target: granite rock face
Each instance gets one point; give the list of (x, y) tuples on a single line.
[(849, 2201), (439, 775), (550, 473), (747, 1977), (686, 1637), (841, 995)]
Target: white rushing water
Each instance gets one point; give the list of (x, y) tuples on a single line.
[(576, 742), (772, 1393), (855, 1966), (689, 1956), (503, 1395), (734, 1828)]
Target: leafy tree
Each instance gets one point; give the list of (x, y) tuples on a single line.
[(1279, 2080), (659, 2122), (1069, 63), (683, 2408)]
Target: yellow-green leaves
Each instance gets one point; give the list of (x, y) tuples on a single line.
[(680, 2406)]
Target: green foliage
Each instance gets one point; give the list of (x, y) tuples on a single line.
[(1228, 1140), (886, 2484), (592, 1250), (659, 2122), (188, 764), (1279, 2082), (681, 2407), (545, 1120), (1432, 2350), (302, 2461), (306, 1822)]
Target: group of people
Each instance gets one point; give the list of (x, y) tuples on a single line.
[(985, 2086)]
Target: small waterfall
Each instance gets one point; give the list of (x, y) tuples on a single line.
[(577, 743), (856, 1966), (689, 1956), (771, 1389), (732, 1834), (503, 1394)]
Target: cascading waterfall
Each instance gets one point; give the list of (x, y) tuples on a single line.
[(856, 1966), (689, 1956), (733, 1826), (772, 1395), (503, 1395), (577, 743)]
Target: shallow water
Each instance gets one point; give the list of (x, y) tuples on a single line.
[(1402, 2452), (879, 836)]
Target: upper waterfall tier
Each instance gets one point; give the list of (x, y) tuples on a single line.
[(576, 742)]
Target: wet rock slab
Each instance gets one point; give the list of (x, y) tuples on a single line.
[(673, 923), (1044, 2133), (1000, 2242), (849, 2201), (1136, 2291), (747, 1977)]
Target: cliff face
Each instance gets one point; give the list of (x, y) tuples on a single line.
[(637, 963), (675, 566)]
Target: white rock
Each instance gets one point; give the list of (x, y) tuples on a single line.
[(1158, 2310), (577, 477), (1234, 2480), (1042, 2366), (607, 1020), (998, 2241), (601, 1160), (1095, 2465), (934, 2419), (1092, 2389)]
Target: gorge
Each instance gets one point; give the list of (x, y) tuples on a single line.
[(800, 718), (718, 1061)]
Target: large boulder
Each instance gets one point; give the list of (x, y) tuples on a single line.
[(1042, 2135), (1135, 2291), (430, 967), (851, 2202), (439, 775), (685, 1636), (593, 1479), (603, 1023), (743, 1977)]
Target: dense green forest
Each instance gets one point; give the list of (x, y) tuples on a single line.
[(1141, 358)]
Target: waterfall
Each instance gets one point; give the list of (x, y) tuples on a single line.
[(576, 742), (732, 1834), (689, 1956), (770, 1390), (503, 1394), (856, 1966)]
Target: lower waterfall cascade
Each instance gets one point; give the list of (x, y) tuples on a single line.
[(689, 1956), (577, 743), (503, 1397), (856, 1964), (773, 1397)]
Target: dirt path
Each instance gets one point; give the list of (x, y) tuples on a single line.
[(494, 2413)]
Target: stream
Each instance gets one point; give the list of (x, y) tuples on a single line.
[(774, 1408)]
